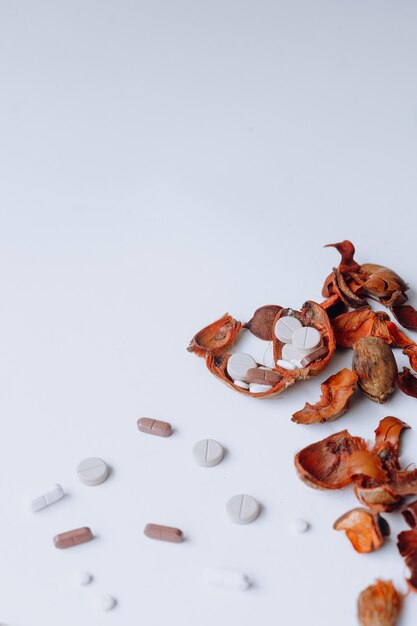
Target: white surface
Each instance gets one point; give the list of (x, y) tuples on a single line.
[(143, 144)]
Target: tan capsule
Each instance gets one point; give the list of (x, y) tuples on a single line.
[(154, 427), (163, 533), (375, 365), (263, 376), (313, 356), (73, 537)]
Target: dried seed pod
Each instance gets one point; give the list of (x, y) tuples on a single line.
[(336, 393), (407, 546), (411, 352), (409, 513), (216, 337), (349, 327), (262, 323), (379, 604), (406, 315), (407, 382), (376, 368), (365, 530), (325, 464)]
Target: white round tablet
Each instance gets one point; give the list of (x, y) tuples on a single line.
[(208, 452), (81, 578), (241, 384), (300, 526), (105, 602), (286, 327), (306, 338), (242, 509), (92, 471), (238, 365)]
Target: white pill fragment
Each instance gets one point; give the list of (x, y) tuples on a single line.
[(300, 526), (81, 578), (238, 364), (286, 327), (258, 388), (297, 363), (287, 365), (105, 602), (241, 384), (242, 509), (306, 338), (48, 498), (226, 579), (208, 452), (92, 471)]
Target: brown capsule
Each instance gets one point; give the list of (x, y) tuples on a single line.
[(163, 533), (73, 537), (375, 365), (263, 376), (154, 427), (379, 604)]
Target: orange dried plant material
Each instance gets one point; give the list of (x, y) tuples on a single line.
[(379, 604), (407, 546), (406, 315), (349, 327), (365, 530), (216, 337), (407, 382), (262, 322), (336, 393)]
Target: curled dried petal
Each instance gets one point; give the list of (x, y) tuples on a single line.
[(379, 604), (347, 250), (347, 294), (409, 513), (406, 315), (215, 337), (365, 530), (325, 464), (349, 327), (407, 545), (384, 284), (366, 463), (389, 432), (376, 495), (375, 365), (262, 323), (398, 338), (411, 352), (407, 382), (336, 393)]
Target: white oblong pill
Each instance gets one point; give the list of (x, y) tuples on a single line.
[(238, 365), (258, 388), (208, 452), (226, 579), (306, 338), (242, 509), (286, 327), (92, 471), (49, 497), (81, 578), (287, 365), (105, 602), (297, 363), (241, 384), (300, 526)]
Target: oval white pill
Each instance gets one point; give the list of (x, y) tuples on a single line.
[(81, 578), (105, 602), (242, 509), (238, 365), (287, 365), (300, 526), (226, 579), (296, 363), (92, 471), (48, 498), (286, 327), (258, 388), (306, 338), (241, 384), (208, 452)]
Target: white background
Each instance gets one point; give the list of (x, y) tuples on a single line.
[(161, 163)]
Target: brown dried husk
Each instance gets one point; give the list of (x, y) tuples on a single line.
[(365, 530), (379, 604), (407, 382), (407, 546)]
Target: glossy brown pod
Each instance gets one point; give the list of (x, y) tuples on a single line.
[(163, 533), (206, 343), (376, 368), (73, 537), (365, 530), (379, 604)]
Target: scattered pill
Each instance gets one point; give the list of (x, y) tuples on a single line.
[(105, 602), (258, 388), (242, 509), (300, 526), (92, 471), (296, 362), (241, 384), (313, 356), (46, 499), (81, 578), (263, 376), (226, 579), (286, 327), (238, 365), (287, 365), (163, 533), (306, 338), (208, 452), (73, 537), (154, 427)]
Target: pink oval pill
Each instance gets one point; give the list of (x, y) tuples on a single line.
[(154, 427), (73, 537), (163, 533)]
